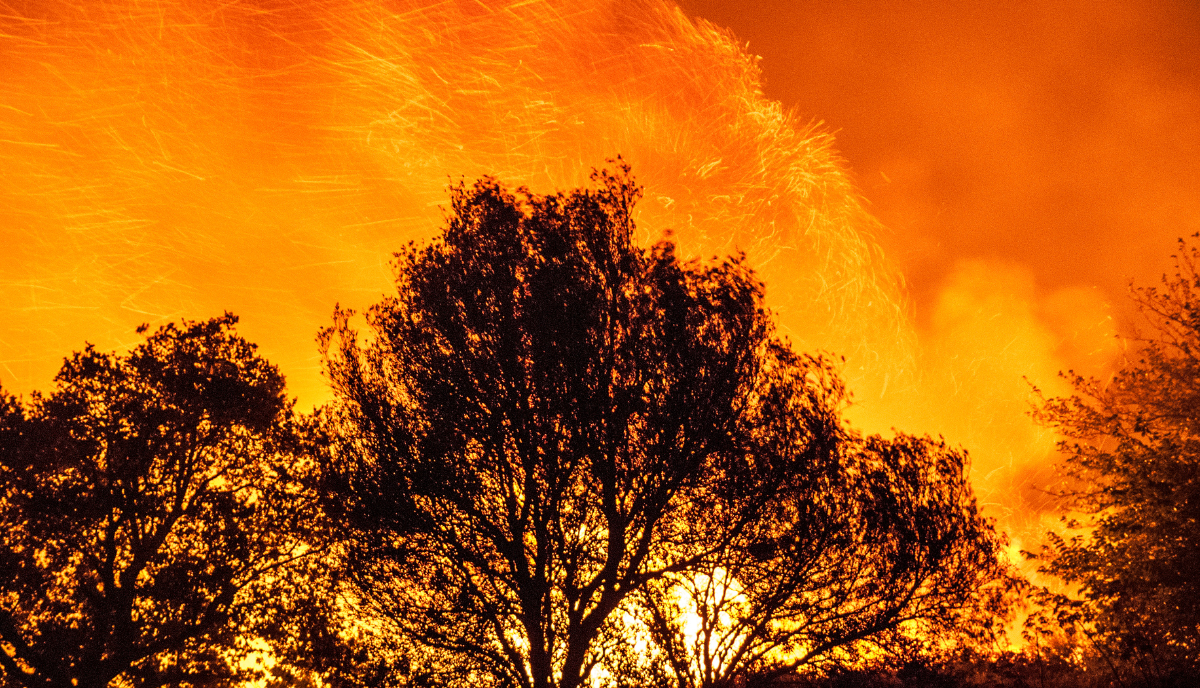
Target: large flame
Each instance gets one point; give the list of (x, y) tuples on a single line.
[(178, 158)]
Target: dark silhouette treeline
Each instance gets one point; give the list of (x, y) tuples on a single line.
[(559, 459)]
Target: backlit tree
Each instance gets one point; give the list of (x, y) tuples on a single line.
[(560, 454), (1132, 452), (153, 509)]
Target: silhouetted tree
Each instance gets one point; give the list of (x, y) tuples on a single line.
[(152, 515), (1133, 454), (885, 551), (557, 444)]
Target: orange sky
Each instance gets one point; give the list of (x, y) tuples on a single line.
[(1027, 159), (163, 159), (1062, 136)]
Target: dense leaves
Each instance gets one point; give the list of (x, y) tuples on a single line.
[(562, 459), (1133, 452), (152, 513)]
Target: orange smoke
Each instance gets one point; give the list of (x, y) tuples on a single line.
[(1060, 134), (1028, 159), (178, 158), (173, 158)]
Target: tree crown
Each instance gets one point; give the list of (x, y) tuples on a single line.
[(152, 509), (554, 438), (1132, 455)]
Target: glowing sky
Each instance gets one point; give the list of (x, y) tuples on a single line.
[(1061, 137), (162, 159), (1028, 160)]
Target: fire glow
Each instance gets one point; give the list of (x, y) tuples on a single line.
[(181, 158)]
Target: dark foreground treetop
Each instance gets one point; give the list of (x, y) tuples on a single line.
[(560, 456)]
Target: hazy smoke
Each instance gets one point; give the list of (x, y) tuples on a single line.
[(181, 158), (177, 158)]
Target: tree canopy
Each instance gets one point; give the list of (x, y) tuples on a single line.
[(561, 459), (151, 513), (1132, 452)]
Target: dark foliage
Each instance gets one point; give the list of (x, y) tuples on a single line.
[(153, 516), (556, 446), (1133, 454), (876, 558)]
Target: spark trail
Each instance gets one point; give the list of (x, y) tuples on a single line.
[(179, 158)]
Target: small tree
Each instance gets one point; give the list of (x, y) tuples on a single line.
[(152, 514), (1132, 452), (555, 439)]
